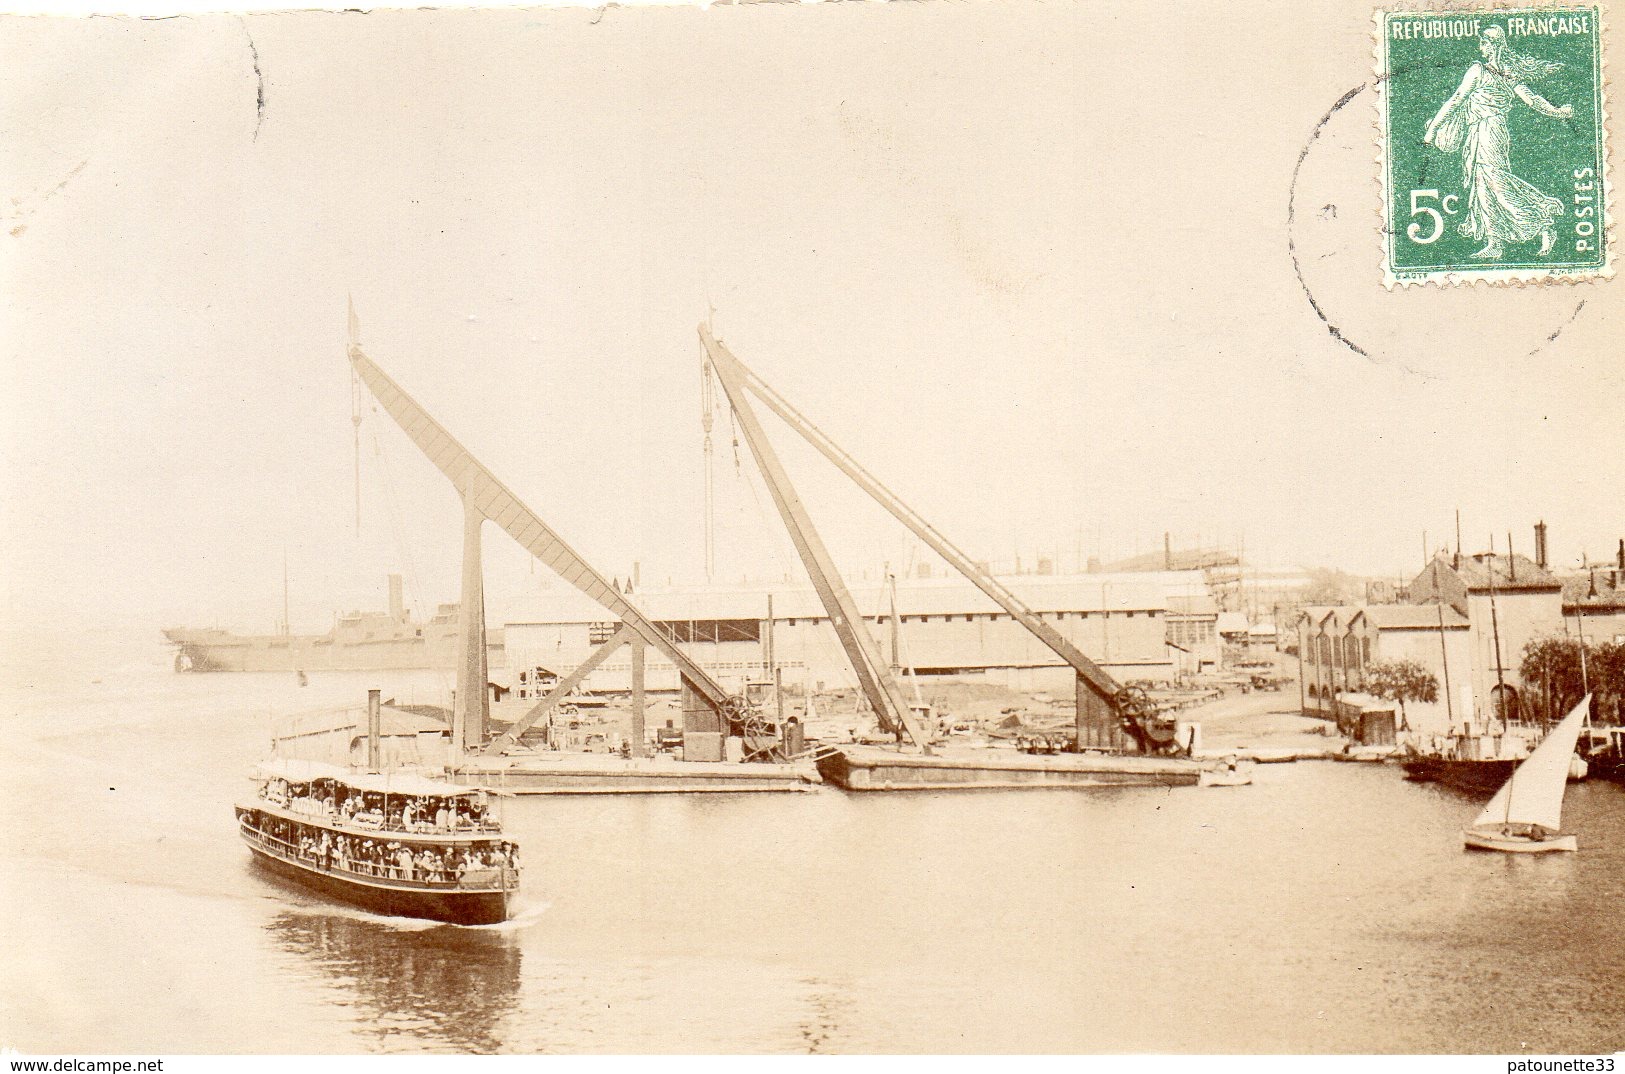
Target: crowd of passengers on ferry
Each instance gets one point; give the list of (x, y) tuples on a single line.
[(377, 812), (480, 864), (475, 865)]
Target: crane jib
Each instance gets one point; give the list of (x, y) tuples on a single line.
[(492, 499)]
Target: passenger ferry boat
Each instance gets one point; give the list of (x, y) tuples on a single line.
[(394, 843)]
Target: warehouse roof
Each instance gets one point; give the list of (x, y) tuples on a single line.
[(1412, 616), (1149, 591)]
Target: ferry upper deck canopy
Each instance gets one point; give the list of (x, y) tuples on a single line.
[(410, 784)]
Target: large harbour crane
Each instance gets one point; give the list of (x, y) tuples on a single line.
[(707, 706), (1109, 716)]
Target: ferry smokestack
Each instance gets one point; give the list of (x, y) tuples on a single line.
[(397, 606), (1540, 545), (375, 720)]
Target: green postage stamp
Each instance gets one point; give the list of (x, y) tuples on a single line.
[(1493, 145)]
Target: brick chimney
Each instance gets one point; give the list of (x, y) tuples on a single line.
[(1540, 545)]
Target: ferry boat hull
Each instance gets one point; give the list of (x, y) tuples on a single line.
[(392, 898), (453, 908)]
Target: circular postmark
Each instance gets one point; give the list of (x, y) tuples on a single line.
[(1335, 239)]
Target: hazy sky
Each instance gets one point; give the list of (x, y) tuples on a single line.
[(1028, 261)]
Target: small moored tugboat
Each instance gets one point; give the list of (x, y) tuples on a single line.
[(394, 843)]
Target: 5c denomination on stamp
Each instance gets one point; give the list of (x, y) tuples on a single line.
[(1493, 145)]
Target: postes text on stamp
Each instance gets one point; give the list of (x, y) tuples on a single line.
[(1493, 145)]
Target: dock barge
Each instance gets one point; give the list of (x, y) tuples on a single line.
[(595, 773), (875, 769)]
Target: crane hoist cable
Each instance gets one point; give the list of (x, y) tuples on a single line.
[(398, 532)]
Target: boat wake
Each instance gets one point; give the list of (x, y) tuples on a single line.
[(528, 914), (337, 909)]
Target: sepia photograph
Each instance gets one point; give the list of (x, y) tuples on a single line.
[(994, 527)]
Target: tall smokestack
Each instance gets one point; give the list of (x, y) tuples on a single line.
[(1540, 545), (1167, 551), (397, 606), (375, 722)]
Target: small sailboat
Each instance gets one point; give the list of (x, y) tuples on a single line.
[(1526, 814)]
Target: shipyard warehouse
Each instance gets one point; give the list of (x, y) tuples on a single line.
[(930, 627)]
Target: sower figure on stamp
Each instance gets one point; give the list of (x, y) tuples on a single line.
[(1501, 207)]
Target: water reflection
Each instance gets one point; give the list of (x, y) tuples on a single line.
[(827, 1002), (438, 987)]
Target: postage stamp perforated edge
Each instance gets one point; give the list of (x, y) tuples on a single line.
[(1489, 276)]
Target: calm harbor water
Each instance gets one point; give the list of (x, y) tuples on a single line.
[(1326, 908)]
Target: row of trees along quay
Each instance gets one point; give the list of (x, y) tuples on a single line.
[(1554, 680)]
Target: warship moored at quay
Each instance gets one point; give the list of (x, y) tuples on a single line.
[(359, 641)]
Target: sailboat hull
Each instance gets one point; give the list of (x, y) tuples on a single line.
[(1480, 839)]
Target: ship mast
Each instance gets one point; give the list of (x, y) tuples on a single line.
[(286, 629), (1444, 655), (1579, 625), (1495, 629)]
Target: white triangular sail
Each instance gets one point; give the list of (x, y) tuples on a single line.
[(1534, 794)]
